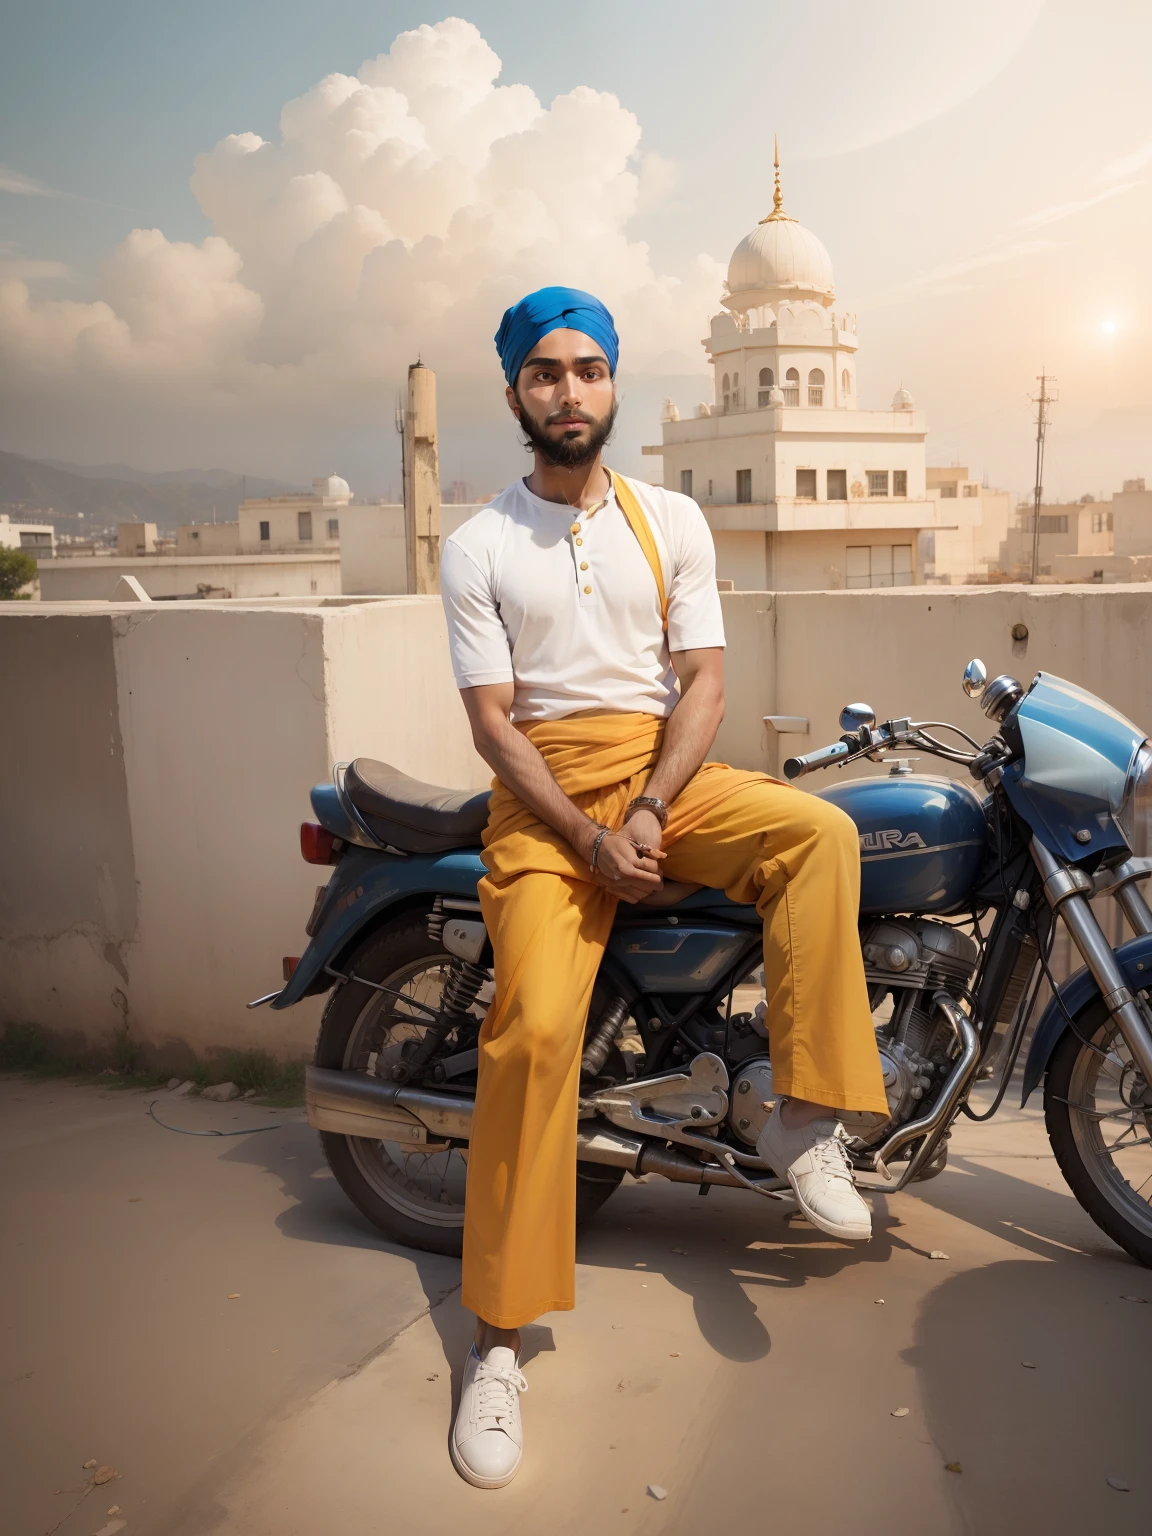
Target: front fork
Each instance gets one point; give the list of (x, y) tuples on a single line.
[(1067, 891)]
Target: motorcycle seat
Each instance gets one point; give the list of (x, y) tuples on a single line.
[(412, 816)]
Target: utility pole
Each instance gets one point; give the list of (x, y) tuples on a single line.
[(421, 482), (1042, 401)]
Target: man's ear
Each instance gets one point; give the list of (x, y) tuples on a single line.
[(513, 403)]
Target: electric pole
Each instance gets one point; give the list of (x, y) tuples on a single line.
[(1042, 401)]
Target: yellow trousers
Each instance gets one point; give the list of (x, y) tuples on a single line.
[(794, 856)]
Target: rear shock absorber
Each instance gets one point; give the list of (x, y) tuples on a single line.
[(596, 1051), (463, 986)]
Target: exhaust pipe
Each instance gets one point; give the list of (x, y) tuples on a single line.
[(354, 1104)]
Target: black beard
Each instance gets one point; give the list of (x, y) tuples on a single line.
[(566, 453)]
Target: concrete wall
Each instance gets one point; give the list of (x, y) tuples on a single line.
[(94, 578), (372, 548), (151, 878)]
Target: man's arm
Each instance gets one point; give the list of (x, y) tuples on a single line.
[(688, 735), (517, 763)]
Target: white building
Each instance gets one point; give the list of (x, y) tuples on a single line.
[(969, 551), (35, 539), (803, 490), (302, 524)]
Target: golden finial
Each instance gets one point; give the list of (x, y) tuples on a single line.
[(777, 195)]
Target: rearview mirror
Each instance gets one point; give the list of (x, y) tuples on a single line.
[(853, 716), (975, 678)]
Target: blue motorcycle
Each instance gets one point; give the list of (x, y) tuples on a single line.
[(960, 895)]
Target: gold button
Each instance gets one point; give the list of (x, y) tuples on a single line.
[(575, 528), (587, 591), (579, 541), (583, 565)]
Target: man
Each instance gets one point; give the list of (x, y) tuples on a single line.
[(587, 642)]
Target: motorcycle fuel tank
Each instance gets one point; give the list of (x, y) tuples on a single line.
[(921, 841)]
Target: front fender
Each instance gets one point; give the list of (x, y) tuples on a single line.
[(365, 886), (1134, 959)]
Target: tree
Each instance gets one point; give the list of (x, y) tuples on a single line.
[(16, 570)]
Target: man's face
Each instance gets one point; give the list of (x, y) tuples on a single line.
[(565, 399)]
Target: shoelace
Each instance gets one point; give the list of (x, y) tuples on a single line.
[(830, 1156), (496, 1390)]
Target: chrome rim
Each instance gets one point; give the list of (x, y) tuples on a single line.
[(1111, 1120), (425, 1184)]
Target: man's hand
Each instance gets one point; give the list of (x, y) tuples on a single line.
[(622, 869), (643, 827)]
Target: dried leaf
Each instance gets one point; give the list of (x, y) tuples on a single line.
[(104, 1475), (1029, 1365), (656, 1492), (1118, 1483), (675, 1355), (953, 1466), (1142, 1299), (683, 1252), (879, 1302), (89, 1463), (623, 1385), (901, 1413), (617, 1325), (233, 1295), (937, 1254), (115, 1510), (135, 1199)]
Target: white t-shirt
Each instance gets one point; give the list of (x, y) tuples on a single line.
[(564, 604)]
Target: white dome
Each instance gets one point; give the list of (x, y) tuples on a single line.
[(332, 488), (902, 400), (780, 259)]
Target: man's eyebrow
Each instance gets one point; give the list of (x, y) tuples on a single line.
[(555, 362)]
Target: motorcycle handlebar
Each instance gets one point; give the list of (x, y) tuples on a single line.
[(797, 767)]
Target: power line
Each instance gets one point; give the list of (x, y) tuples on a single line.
[(1042, 401)]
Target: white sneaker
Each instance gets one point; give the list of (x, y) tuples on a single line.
[(813, 1160), (487, 1443)]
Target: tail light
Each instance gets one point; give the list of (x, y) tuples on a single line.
[(317, 844)]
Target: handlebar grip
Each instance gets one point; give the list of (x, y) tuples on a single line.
[(797, 767)]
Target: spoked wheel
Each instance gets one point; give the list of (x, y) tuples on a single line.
[(1098, 1110), (413, 1195)]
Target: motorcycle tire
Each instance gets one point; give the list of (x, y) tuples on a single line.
[(389, 952), (1093, 1179)]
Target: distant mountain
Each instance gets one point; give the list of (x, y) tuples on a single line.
[(82, 499)]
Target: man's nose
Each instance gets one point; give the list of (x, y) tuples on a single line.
[(570, 392)]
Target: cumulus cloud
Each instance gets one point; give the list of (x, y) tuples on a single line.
[(399, 212)]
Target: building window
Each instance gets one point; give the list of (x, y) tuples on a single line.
[(727, 391), (333, 527), (899, 482), (837, 485), (949, 489), (685, 482), (879, 565), (304, 527), (744, 485), (1101, 522), (971, 489), (767, 379), (877, 482), (195, 533), (846, 382), (816, 386), (265, 533), (1054, 523), (806, 484), (792, 387)]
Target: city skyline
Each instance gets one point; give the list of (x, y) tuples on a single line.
[(263, 316)]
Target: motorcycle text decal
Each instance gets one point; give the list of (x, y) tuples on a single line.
[(891, 837)]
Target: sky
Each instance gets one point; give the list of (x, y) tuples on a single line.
[(226, 230)]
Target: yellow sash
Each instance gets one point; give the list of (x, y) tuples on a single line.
[(629, 504)]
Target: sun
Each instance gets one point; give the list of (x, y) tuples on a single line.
[(1108, 327)]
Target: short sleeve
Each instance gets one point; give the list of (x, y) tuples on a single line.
[(477, 639), (695, 620)]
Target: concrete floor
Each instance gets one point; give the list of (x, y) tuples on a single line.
[(738, 1361)]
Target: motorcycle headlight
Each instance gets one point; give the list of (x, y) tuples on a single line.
[(1136, 812)]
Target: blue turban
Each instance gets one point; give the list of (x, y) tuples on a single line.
[(553, 309)]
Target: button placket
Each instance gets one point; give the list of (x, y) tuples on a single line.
[(585, 585)]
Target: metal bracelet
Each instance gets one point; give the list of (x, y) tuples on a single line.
[(600, 836), (659, 808)]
